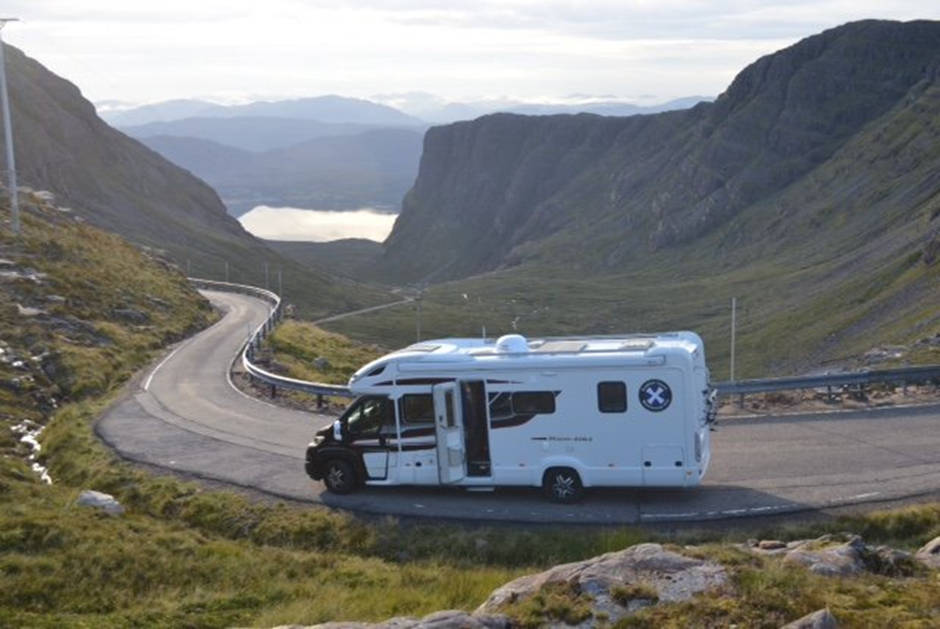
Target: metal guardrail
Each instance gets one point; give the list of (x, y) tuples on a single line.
[(830, 382), (857, 379), (256, 337), (907, 375)]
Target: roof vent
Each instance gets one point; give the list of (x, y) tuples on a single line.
[(512, 344)]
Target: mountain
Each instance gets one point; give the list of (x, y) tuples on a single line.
[(809, 190), (330, 109), (116, 183), (157, 112), (370, 169), (326, 109), (512, 181), (438, 110), (250, 133)]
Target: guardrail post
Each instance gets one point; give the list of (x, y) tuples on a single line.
[(273, 391), (320, 400), (741, 400)]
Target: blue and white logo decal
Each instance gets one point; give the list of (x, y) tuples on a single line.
[(655, 395)]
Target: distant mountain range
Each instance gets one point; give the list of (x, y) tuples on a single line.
[(325, 153), (384, 110), (324, 109)]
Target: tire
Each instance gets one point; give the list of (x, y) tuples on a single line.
[(339, 477), (562, 485)]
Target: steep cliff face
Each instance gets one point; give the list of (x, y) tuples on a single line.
[(488, 184), (603, 192)]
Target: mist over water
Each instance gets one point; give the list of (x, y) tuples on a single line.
[(287, 223)]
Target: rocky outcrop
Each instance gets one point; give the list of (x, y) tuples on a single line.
[(611, 581), (843, 555), (619, 584)]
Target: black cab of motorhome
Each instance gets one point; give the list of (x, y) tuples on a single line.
[(337, 455)]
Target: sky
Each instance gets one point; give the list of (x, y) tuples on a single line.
[(230, 51)]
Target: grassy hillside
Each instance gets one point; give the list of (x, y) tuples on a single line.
[(82, 310)]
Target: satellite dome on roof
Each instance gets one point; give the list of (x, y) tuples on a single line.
[(512, 344)]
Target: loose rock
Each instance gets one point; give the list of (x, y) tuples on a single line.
[(823, 619), (99, 500), (929, 555)]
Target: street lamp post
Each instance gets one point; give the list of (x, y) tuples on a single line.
[(8, 136)]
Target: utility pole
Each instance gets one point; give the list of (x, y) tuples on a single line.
[(418, 300), (8, 136), (734, 325)]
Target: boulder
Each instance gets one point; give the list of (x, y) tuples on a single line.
[(929, 554), (823, 619), (672, 576), (451, 619), (98, 500)]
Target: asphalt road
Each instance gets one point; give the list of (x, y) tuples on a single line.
[(185, 415)]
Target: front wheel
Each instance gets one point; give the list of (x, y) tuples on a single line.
[(339, 477), (563, 485)]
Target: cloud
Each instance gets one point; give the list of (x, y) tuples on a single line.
[(489, 48)]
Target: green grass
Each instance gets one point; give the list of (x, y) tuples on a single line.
[(184, 555), (298, 346)]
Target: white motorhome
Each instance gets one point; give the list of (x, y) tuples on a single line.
[(558, 413)]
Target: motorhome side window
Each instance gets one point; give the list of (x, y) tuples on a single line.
[(612, 397), (534, 402), (505, 404), (417, 409)]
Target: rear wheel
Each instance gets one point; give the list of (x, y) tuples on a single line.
[(339, 477), (563, 485)]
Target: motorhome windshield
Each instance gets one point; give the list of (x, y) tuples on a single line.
[(367, 416)]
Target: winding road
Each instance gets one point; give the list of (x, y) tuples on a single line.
[(185, 415)]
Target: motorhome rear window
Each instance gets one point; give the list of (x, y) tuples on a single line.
[(417, 409), (612, 397)]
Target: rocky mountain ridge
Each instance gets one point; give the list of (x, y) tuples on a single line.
[(644, 183)]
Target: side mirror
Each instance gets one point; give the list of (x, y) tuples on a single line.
[(337, 430)]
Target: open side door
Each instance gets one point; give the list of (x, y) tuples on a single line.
[(448, 425)]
